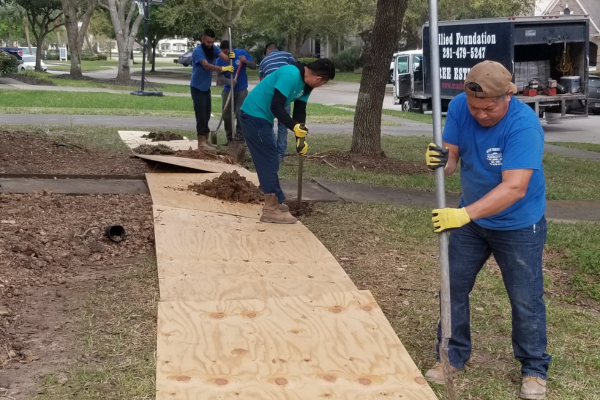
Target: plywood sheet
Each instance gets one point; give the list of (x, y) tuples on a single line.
[(215, 281), (134, 138), (200, 165), (335, 346), (198, 235), (171, 190)]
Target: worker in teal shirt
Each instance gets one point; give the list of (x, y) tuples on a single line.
[(267, 101)]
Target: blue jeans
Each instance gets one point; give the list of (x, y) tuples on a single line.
[(261, 142), (282, 137), (519, 256)]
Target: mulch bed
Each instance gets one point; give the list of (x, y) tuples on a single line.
[(230, 186), (30, 80), (36, 153), (341, 159), (53, 251)]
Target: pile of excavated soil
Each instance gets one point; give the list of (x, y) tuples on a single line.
[(163, 136), (230, 186), (343, 159), (201, 155), (153, 149)]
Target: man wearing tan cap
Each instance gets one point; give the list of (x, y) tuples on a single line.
[(499, 142)]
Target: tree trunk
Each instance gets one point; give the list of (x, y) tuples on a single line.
[(38, 56), (126, 29), (76, 34), (89, 45), (57, 30), (26, 26), (10, 35), (154, 56), (366, 137)]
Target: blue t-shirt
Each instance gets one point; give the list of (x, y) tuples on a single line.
[(275, 60), (516, 142), (242, 81), (287, 80), (202, 78)]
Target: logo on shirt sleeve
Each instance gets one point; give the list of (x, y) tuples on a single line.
[(494, 156)]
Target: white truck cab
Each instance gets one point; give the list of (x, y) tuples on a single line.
[(408, 78)]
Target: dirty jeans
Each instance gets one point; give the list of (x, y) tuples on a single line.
[(519, 256), (202, 106), (238, 99), (261, 142), (282, 134)]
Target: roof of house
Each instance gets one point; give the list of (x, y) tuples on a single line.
[(590, 7)]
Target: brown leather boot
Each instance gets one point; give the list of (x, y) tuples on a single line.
[(436, 373), (284, 207), (533, 388), (204, 146), (271, 212)]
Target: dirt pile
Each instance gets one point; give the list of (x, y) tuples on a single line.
[(201, 155), (305, 210), (163, 136), (342, 159), (153, 149), (230, 186)]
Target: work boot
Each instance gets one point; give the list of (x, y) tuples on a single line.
[(271, 212), (533, 388), (284, 207), (203, 144), (240, 152), (436, 374)]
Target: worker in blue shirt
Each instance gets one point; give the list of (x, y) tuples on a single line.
[(274, 60), (240, 91), (267, 101), (500, 143), (203, 58)]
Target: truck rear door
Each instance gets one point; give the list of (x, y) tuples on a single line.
[(402, 78)]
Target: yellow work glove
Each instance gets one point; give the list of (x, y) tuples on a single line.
[(301, 145), (228, 68), (449, 218), (436, 156), (300, 130), (232, 56)]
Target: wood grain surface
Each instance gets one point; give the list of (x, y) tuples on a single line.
[(200, 165), (334, 346)]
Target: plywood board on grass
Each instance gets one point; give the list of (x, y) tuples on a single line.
[(185, 280), (198, 235), (134, 139), (334, 346), (200, 165), (171, 190)]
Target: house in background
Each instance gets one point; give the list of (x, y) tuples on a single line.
[(577, 7)]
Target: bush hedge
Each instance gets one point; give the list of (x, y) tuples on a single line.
[(8, 63), (347, 60)]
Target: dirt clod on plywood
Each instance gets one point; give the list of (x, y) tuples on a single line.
[(202, 155), (153, 149), (344, 159), (230, 186), (163, 136)]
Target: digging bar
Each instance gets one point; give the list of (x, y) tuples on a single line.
[(440, 192), (300, 173)]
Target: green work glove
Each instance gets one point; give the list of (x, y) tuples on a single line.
[(228, 68), (449, 218), (300, 130), (301, 145), (436, 156)]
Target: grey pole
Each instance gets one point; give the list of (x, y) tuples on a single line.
[(440, 192), (231, 84)]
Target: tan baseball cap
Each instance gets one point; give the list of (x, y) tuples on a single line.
[(494, 79)]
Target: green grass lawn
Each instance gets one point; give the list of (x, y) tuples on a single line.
[(581, 146), (347, 77), (393, 254), (90, 103), (413, 116)]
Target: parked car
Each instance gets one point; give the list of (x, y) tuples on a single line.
[(184, 59), (26, 51), (594, 94), (13, 51), (29, 64)]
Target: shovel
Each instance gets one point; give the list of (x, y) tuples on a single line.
[(213, 134), (300, 173)]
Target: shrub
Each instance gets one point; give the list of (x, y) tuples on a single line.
[(39, 78), (102, 57), (8, 63), (307, 60), (347, 60)]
